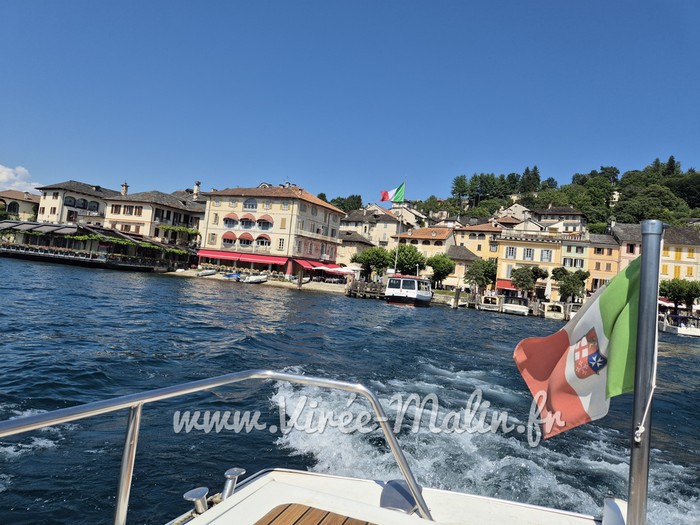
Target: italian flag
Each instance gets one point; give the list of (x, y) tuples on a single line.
[(395, 195), (573, 373)]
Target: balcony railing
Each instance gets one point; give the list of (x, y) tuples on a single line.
[(314, 235), (546, 236)]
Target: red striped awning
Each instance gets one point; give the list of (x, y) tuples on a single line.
[(248, 216), (266, 218), (505, 284), (264, 259), (246, 236), (229, 235), (231, 216), (215, 254), (305, 264), (263, 236)]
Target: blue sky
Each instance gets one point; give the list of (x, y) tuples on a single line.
[(342, 97)]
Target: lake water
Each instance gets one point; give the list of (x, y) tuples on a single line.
[(72, 335)]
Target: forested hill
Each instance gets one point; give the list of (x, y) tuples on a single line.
[(661, 190)]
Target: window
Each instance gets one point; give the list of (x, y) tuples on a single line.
[(665, 251), (280, 244), (137, 228), (598, 251), (81, 203), (216, 202), (608, 267), (408, 285), (215, 219), (116, 209), (546, 256), (250, 204), (579, 249), (610, 251), (245, 242), (228, 243), (283, 223), (262, 242), (69, 201), (126, 227), (314, 211), (510, 252), (53, 211), (529, 254), (54, 196), (264, 225), (568, 249), (630, 248), (689, 271), (247, 224), (167, 215), (478, 247), (230, 223), (212, 238), (41, 210), (691, 253), (138, 211), (439, 243), (302, 208), (472, 236), (128, 210), (597, 266), (285, 205), (394, 284)]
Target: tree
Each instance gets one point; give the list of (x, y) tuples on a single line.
[(442, 266), (680, 291), (348, 204), (460, 187), (523, 279), (571, 284), (530, 181), (550, 183), (559, 273), (375, 259), (481, 272), (692, 292), (408, 258), (322, 196)]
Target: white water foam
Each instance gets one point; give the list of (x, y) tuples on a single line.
[(489, 464)]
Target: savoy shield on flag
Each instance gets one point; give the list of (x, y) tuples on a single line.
[(573, 373)]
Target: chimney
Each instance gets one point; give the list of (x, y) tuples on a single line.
[(125, 188), (195, 195)]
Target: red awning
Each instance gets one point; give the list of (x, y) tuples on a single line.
[(229, 235), (266, 218), (332, 266), (246, 236), (248, 216), (505, 284), (265, 259), (305, 264), (263, 236), (214, 254), (231, 216)]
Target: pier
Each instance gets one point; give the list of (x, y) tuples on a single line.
[(365, 290)]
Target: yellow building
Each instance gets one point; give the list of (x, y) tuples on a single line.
[(481, 239), (680, 258), (603, 260), (521, 249), (282, 228)]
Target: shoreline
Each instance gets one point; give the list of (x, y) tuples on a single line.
[(311, 285)]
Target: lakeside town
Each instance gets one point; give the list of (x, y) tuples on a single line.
[(284, 231)]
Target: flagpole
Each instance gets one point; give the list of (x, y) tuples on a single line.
[(652, 232)]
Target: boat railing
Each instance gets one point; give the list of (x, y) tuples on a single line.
[(135, 402)]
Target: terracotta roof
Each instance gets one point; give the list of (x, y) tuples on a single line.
[(480, 228), (292, 192), (20, 196), (80, 187), (508, 220), (460, 253), (164, 199), (439, 234)]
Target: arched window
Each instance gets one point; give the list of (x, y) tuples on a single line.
[(472, 236), (247, 224), (230, 223), (13, 207), (250, 204), (481, 237), (81, 203), (438, 243), (413, 241), (69, 201), (264, 225), (228, 239), (262, 240), (93, 206), (426, 243)]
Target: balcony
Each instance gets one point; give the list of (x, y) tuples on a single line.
[(314, 235), (545, 236)]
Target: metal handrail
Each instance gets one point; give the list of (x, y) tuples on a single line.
[(135, 402)]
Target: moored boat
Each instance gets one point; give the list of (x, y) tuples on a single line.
[(490, 303), (515, 306), (408, 289), (680, 324), (552, 311), (255, 279), (206, 273)]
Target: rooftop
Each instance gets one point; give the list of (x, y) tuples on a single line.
[(267, 190), (81, 187), (181, 200), (439, 234), (20, 196)]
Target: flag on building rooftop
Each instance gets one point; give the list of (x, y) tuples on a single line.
[(573, 373), (395, 195)]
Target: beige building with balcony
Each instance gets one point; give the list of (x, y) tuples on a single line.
[(19, 204), (168, 218), (374, 223), (275, 228), (73, 202)]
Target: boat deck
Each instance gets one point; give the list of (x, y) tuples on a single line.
[(296, 514)]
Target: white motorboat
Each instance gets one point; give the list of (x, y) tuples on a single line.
[(408, 289), (515, 306), (679, 324), (571, 309), (552, 311), (255, 279), (206, 273), (490, 303)]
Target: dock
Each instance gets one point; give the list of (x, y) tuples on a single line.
[(364, 290)]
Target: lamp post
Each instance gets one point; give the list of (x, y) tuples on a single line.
[(417, 265)]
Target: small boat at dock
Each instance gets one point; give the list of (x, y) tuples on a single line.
[(408, 289), (490, 303), (515, 305), (552, 311), (206, 273)]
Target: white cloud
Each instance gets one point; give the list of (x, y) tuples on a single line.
[(17, 178)]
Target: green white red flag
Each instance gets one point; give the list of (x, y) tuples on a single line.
[(573, 373), (395, 195)]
